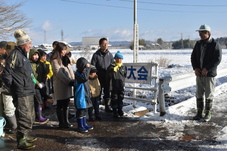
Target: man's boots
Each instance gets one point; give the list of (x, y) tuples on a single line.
[(40, 117), (208, 107), (200, 107), (13, 123), (24, 142)]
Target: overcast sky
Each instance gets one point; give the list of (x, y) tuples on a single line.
[(166, 19)]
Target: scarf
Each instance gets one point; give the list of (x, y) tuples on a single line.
[(117, 65)]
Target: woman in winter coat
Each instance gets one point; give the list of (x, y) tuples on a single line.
[(82, 96), (63, 80)]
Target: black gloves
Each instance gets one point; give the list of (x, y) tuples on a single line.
[(71, 83)]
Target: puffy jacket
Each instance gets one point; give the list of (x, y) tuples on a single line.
[(17, 76), (212, 56), (116, 79)]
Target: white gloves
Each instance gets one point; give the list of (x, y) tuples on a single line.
[(41, 85)]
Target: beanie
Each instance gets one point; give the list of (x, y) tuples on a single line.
[(93, 69), (3, 44), (21, 37), (118, 55)]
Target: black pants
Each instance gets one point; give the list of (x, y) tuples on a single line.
[(63, 104), (117, 97)]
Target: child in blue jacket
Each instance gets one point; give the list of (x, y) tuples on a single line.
[(82, 96)]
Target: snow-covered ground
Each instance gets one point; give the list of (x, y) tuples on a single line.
[(182, 106)]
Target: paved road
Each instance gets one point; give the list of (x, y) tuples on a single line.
[(130, 134)]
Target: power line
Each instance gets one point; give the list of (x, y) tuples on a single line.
[(157, 10), (176, 4)]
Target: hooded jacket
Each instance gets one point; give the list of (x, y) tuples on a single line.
[(82, 96), (40, 71)]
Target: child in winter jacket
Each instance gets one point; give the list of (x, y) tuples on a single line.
[(40, 72), (82, 96), (95, 92), (116, 74)]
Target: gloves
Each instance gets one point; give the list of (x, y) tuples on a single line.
[(41, 85), (71, 83)]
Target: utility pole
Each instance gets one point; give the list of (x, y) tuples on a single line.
[(135, 34), (182, 42), (62, 35), (45, 40)]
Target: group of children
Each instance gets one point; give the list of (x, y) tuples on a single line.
[(88, 89)]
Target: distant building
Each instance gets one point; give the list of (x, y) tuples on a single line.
[(91, 42)]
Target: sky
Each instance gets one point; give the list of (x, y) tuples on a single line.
[(166, 19)]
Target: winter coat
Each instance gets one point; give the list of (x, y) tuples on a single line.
[(49, 67), (82, 96), (116, 79), (212, 56), (101, 60), (17, 75), (39, 69), (95, 86), (61, 79)]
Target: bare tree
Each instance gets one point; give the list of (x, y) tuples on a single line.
[(11, 19)]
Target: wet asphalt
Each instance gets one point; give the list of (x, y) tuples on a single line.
[(121, 134)]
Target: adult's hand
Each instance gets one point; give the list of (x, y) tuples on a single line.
[(198, 72), (204, 72)]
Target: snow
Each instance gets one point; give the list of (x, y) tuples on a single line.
[(182, 107)]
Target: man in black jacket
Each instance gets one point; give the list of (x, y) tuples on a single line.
[(101, 59), (18, 77), (205, 58)]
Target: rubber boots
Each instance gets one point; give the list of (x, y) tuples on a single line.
[(23, 144), (13, 123), (85, 124), (40, 117), (200, 106), (61, 118), (208, 107), (81, 127)]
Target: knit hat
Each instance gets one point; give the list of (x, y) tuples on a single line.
[(3, 44), (93, 69), (21, 37), (118, 55)]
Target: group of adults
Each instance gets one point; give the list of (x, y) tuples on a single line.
[(17, 79)]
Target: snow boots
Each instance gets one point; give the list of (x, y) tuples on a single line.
[(39, 116), (208, 107), (13, 123), (200, 107), (82, 125)]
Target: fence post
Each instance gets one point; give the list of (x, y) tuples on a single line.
[(163, 88), (161, 98)]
